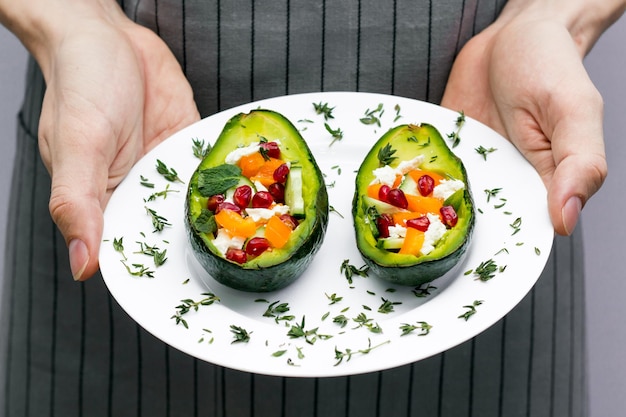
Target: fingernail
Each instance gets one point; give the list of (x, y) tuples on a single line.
[(79, 257), (571, 213)]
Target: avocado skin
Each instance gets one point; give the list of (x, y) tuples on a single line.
[(281, 267), (409, 270)]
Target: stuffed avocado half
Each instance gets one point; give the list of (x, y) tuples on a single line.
[(257, 206), (412, 208)]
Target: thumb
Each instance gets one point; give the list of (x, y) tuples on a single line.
[(75, 206)]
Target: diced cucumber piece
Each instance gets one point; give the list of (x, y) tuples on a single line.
[(380, 206), (408, 185), (293, 192), (390, 243)]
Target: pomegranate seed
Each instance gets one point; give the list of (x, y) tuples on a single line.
[(257, 245), (383, 192), (420, 223), (214, 201), (277, 191), (227, 206), (397, 198), (280, 174), (448, 215), (425, 185), (270, 149), (289, 220), (383, 222), (242, 196), (236, 255), (262, 199)]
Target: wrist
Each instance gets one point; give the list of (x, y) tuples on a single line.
[(585, 20)]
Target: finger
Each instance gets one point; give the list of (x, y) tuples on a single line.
[(80, 167), (581, 166)]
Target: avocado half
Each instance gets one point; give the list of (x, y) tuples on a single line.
[(409, 141), (277, 268)]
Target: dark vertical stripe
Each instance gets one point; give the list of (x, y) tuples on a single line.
[(440, 384), (287, 40), (409, 407), (379, 394), (502, 365), (195, 387), (475, 24), (555, 301), (55, 295), (458, 35), (252, 29), (430, 36), (111, 356), (81, 364), (323, 44), (29, 300), (393, 47), (136, 10), (156, 17), (531, 353), (139, 370), (471, 377), (219, 54), (358, 47), (184, 33), (167, 381)]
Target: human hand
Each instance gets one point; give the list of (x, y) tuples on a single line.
[(525, 78), (114, 91)]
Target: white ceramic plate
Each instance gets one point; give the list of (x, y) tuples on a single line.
[(520, 256)]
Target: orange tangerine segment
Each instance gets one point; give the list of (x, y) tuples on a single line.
[(413, 242), (373, 190), (265, 174), (250, 164), (420, 204), (402, 216), (236, 224), (277, 232)]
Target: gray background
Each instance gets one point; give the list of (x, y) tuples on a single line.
[(603, 218)]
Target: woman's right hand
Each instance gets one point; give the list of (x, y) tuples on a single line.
[(114, 91)]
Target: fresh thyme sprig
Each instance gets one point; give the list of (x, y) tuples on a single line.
[(350, 270), (455, 136), (347, 354), (188, 304), (139, 271), (158, 255), (333, 298), (337, 134), (423, 326), (310, 336), (145, 182), (387, 306), (516, 225), (240, 334), (373, 116), (484, 151), (322, 108), (118, 245), (158, 222), (471, 310), (200, 150), (363, 321), (158, 194), (169, 174), (385, 155), (276, 311), (492, 193)]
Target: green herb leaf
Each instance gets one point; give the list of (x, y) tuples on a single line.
[(217, 180)]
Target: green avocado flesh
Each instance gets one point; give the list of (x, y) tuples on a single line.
[(305, 189), (382, 254)]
